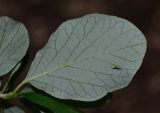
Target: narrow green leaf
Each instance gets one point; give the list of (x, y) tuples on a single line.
[(49, 103), (87, 57), (14, 41), (12, 73), (15, 69)]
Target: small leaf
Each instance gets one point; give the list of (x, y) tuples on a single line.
[(14, 42), (12, 73), (13, 110), (87, 57), (49, 103), (15, 69)]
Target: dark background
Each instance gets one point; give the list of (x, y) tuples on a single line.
[(42, 17)]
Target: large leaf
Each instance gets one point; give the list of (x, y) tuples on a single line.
[(49, 103), (87, 57), (14, 42), (13, 110)]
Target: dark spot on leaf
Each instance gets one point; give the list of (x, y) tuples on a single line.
[(117, 68)]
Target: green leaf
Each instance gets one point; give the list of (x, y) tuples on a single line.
[(13, 110), (49, 103), (15, 69), (87, 57), (14, 42)]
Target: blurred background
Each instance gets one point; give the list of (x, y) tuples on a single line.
[(42, 17)]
